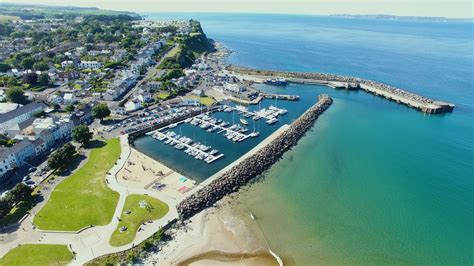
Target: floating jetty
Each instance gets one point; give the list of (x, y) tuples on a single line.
[(233, 132), (196, 150), (398, 95)]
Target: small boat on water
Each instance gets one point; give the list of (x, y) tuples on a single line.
[(172, 125), (254, 134), (271, 121), (243, 121)]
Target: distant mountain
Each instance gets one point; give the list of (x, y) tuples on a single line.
[(391, 17), (38, 11)]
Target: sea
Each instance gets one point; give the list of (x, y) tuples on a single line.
[(373, 182)]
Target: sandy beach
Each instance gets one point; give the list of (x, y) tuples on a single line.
[(141, 171), (216, 236)]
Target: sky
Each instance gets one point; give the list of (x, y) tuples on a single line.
[(433, 8)]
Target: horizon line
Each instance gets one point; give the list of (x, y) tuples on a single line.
[(251, 12)]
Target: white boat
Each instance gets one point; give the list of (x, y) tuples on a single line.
[(243, 121), (224, 124), (254, 134), (233, 127), (213, 152), (172, 125), (256, 117), (271, 121)]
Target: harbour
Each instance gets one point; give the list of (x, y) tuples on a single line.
[(388, 92)]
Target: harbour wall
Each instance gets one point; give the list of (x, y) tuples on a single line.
[(254, 165), (398, 95)]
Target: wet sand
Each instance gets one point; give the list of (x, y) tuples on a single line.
[(216, 236)]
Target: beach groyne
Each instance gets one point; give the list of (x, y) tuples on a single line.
[(398, 95), (253, 165)]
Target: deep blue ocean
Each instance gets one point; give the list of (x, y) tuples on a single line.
[(373, 182)]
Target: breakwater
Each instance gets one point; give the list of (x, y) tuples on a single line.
[(398, 95), (253, 165)]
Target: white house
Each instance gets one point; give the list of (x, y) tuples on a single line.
[(197, 92), (90, 65), (19, 115), (132, 105), (7, 161), (67, 63), (69, 98)]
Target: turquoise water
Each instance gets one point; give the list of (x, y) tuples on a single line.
[(373, 182)]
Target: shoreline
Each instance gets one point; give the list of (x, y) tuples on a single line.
[(216, 235)]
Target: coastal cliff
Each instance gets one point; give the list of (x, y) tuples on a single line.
[(254, 165), (398, 95)]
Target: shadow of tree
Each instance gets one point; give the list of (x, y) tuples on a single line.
[(95, 144)]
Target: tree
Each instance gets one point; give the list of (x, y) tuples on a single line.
[(27, 63), (100, 111), (81, 134), (30, 78), (61, 156), (43, 79), (4, 207), (20, 192), (4, 67), (16, 95), (70, 108), (41, 66)]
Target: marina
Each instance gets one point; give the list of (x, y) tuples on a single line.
[(230, 129), (194, 149)]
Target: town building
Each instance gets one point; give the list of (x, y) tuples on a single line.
[(94, 65), (19, 115)]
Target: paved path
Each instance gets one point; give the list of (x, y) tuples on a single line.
[(93, 242)]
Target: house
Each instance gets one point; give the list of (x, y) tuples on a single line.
[(7, 161), (60, 128), (69, 98), (154, 85), (19, 115), (40, 146), (118, 111), (55, 99), (7, 107), (144, 97), (234, 88), (94, 65), (189, 102), (68, 76), (197, 92), (132, 105), (82, 116), (68, 63), (22, 151)]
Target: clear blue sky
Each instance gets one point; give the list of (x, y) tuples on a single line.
[(442, 8)]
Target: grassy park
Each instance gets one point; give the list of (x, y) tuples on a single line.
[(83, 198), (207, 101), (154, 209), (37, 254)]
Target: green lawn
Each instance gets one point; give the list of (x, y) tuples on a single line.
[(163, 95), (5, 18), (155, 210), (207, 101), (37, 254), (83, 198)]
